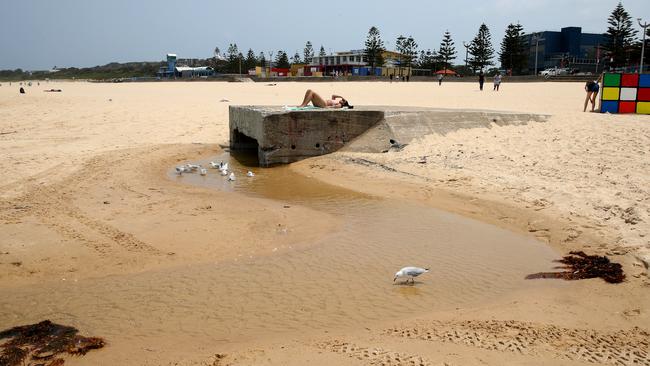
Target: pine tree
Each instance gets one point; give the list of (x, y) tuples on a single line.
[(322, 52), (240, 61), (261, 60), (620, 35), (308, 52), (282, 60), (447, 50), (409, 50), (513, 54), (251, 61), (427, 59), (480, 49), (296, 58), (232, 60), (374, 48)]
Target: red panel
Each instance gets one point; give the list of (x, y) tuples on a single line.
[(643, 95), (630, 80), (627, 107)]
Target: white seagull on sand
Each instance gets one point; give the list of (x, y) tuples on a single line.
[(250, 174), (204, 171), (192, 167), (231, 177), (410, 272), (214, 165), (224, 172)]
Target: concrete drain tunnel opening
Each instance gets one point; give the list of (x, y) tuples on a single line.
[(244, 148)]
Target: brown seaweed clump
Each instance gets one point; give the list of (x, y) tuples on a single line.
[(41, 344), (578, 266)]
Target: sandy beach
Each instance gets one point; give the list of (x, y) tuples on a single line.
[(296, 266)]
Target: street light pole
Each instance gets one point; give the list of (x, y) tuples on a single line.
[(466, 53), (537, 39), (644, 26)]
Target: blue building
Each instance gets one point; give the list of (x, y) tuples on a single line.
[(172, 70), (567, 48)]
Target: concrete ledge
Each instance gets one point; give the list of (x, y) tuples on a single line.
[(281, 137)]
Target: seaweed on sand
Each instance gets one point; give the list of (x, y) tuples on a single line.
[(41, 343), (578, 266)]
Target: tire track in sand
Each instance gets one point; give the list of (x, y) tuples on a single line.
[(52, 205), (373, 356), (622, 347)]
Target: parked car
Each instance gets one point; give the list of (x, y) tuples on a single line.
[(553, 72)]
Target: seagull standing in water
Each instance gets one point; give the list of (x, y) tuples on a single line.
[(410, 272), (192, 167), (231, 177)]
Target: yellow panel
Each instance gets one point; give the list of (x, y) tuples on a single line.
[(610, 93), (643, 107)]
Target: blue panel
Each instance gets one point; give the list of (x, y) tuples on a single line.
[(644, 80), (609, 106)]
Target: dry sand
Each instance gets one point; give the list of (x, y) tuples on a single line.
[(92, 225)]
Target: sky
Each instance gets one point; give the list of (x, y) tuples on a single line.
[(41, 34)]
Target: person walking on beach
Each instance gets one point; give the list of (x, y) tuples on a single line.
[(481, 79), (439, 79), (592, 88), (337, 101), (497, 81)]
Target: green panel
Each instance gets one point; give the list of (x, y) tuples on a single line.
[(612, 80)]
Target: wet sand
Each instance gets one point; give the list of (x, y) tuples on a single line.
[(98, 234)]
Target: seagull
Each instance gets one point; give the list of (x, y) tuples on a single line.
[(204, 171), (214, 164), (231, 177), (410, 272), (180, 170), (250, 174), (223, 166), (224, 172), (192, 167)]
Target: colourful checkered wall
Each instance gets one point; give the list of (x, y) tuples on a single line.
[(625, 93)]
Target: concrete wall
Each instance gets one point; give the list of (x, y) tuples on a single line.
[(285, 137)]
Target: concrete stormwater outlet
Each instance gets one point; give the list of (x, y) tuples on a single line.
[(282, 136)]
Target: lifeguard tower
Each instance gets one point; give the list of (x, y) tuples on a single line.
[(170, 71)]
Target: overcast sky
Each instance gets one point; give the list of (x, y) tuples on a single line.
[(39, 34)]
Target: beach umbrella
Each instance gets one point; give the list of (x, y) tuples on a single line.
[(446, 72)]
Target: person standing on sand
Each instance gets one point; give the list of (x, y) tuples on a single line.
[(497, 81), (592, 88), (481, 79), (439, 79)]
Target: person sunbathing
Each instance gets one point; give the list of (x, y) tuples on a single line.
[(337, 101)]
